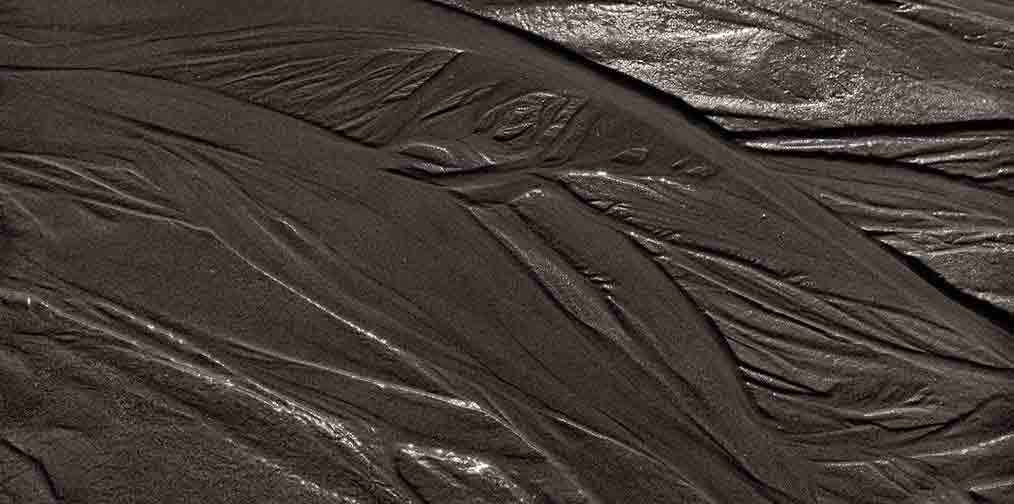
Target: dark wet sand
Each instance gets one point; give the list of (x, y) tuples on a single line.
[(392, 252)]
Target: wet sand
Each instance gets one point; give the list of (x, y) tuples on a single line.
[(393, 252)]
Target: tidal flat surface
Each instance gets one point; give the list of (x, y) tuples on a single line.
[(532, 252)]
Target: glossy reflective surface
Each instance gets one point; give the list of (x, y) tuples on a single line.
[(395, 252)]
